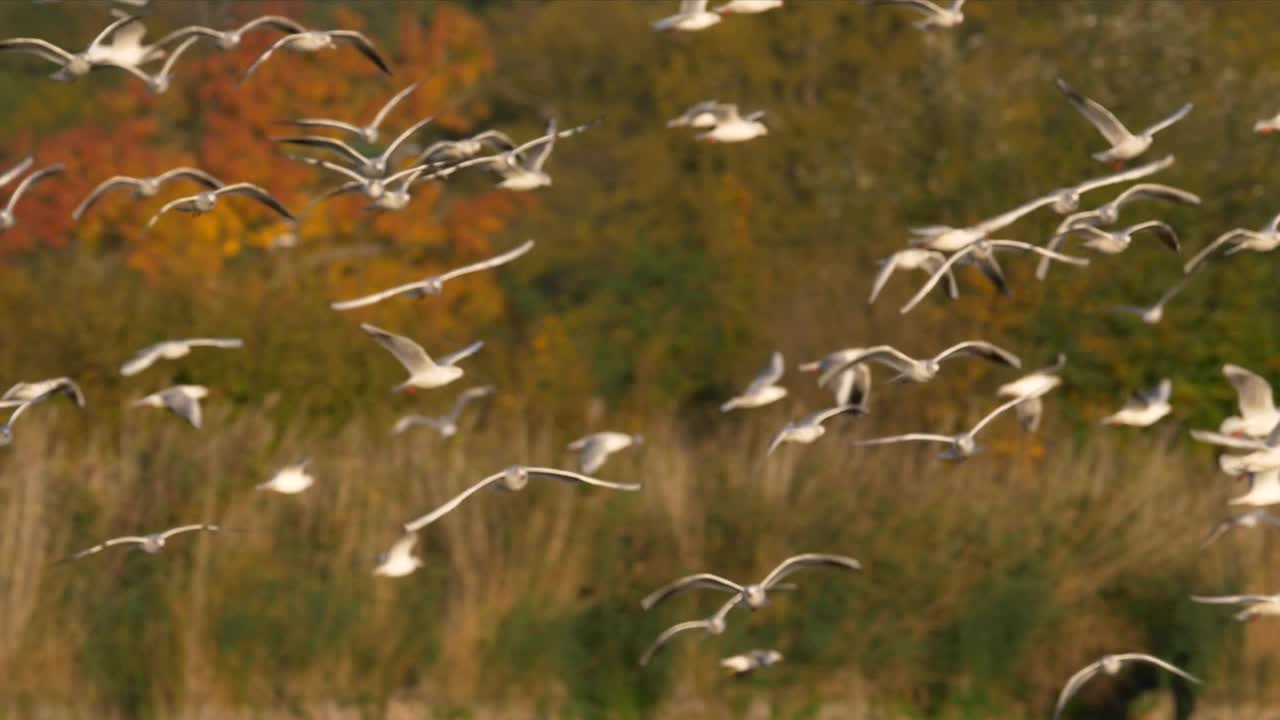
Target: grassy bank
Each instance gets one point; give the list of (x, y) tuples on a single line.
[(987, 583)]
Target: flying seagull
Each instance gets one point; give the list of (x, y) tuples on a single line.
[(443, 151), (853, 382), (205, 201), (172, 350), (1258, 415), (434, 285), (1250, 519), (424, 372), (1255, 605), (749, 662), (399, 560), (764, 389), (28, 391), (934, 15), (1124, 144), (7, 217), (983, 254), (514, 479), (20, 406), (809, 428), (520, 168), (72, 65), (446, 425), (314, 40), (145, 187), (1110, 665), (229, 39), (913, 259), (1143, 408), (290, 479), (1153, 314), (151, 544), (924, 369), (1239, 240), (595, 448), (713, 625), (755, 595), (962, 445), (367, 133), (181, 400), (159, 82), (1031, 388), (731, 127), (377, 166), (1117, 241), (692, 16)]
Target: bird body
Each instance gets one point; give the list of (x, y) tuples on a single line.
[(290, 479), (150, 544), (691, 17), (1125, 145), (172, 350), (763, 389), (923, 369), (424, 372), (1143, 408), (595, 448), (181, 400), (446, 425), (750, 662), (852, 384), (399, 560), (808, 429)]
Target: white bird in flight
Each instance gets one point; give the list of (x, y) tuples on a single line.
[(1155, 313), (1264, 489), (764, 389), (853, 382), (7, 217), (368, 133), (1144, 408), (151, 544), (754, 595), (373, 167), (1258, 415), (595, 448), (71, 65), (1255, 605), (145, 187), (808, 429), (751, 661), (399, 560), (1239, 240), (1250, 519), (514, 478), (730, 127), (1114, 242), (924, 369), (1031, 388), (424, 372), (290, 479), (691, 17), (308, 41), (434, 285), (913, 259), (1124, 144), (520, 168), (1110, 665), (446, 425), (704, 114), (204, 201), (713, 625), (181, 400), (172, 350), (747, 7), (934, 15), (158, 83), (229, 39), (983, 254), (39, 390), (962, 445), (20, 406)]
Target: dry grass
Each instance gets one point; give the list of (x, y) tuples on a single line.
[(986, 582)]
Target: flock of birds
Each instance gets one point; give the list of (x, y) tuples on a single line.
[(386, 178)]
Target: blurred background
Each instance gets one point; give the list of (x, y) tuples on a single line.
[(665, 273)]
